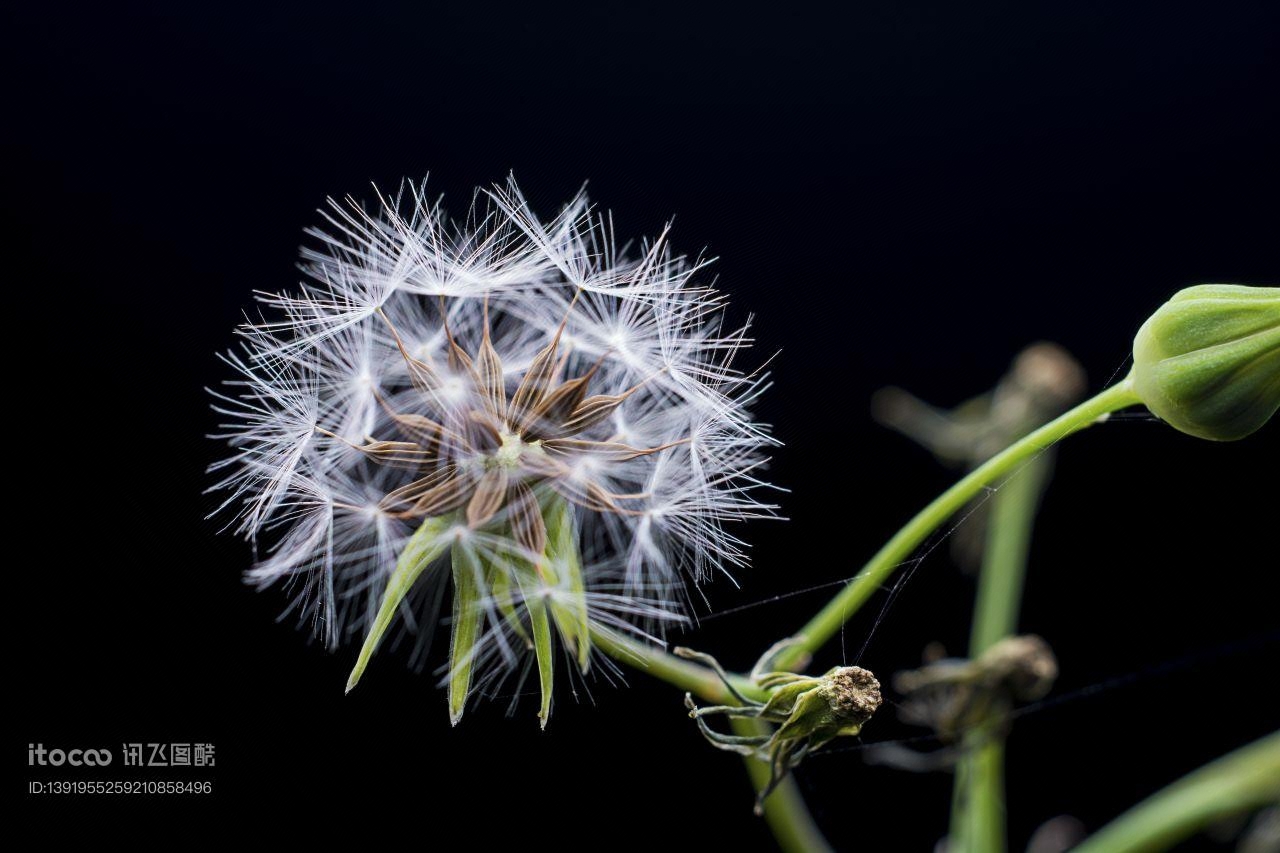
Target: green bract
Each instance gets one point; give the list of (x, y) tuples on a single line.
[(1208, 361), (500, 585)]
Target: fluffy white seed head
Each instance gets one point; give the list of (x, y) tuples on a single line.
[(478, 367)]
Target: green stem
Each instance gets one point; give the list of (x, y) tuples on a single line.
[(695, 678), (784, 810), (837, 611), (977, 802), (977, 805), (1239, 782)]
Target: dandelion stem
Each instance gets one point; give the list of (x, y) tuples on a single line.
[(699, 680), (1234, 784), (828, 621), (977, 805), (784, 809)]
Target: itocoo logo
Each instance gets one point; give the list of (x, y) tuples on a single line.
[(38, 755)]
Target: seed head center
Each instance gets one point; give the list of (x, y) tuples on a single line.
[(508, 455)]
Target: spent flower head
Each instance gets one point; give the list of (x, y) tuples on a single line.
[(553, 424), (809, 711)]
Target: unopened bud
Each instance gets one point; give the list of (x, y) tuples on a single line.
[(1208, 361)]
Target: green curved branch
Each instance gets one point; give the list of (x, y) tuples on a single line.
[(687, 675), (898, 549), (1239, 782)]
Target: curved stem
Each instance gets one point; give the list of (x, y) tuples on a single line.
[(837, 611), (1239, 782), (784, 810), (695, 678)]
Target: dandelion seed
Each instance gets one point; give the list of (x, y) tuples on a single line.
[(563, 423)]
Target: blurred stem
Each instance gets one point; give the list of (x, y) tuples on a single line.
[(1004, 555), (898, 549), (1239, 782), (977, 805), (977, 801), (784, 810)]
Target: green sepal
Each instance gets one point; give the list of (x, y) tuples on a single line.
[(1207, 362), (812, 717), (569, 608), (499, 580), (774, 680), (535, 604), (468, 616), (783, 699), (425, 546)]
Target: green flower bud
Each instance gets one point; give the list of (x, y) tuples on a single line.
[(1208, 361)]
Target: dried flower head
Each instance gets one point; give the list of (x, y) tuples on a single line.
[(809, 711), (955, 695), (562, 421)]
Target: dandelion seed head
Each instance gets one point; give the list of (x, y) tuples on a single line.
[(488, 370)]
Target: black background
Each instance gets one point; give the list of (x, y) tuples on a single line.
[(901, 194)]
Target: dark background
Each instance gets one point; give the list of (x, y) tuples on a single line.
[(900, 194)]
